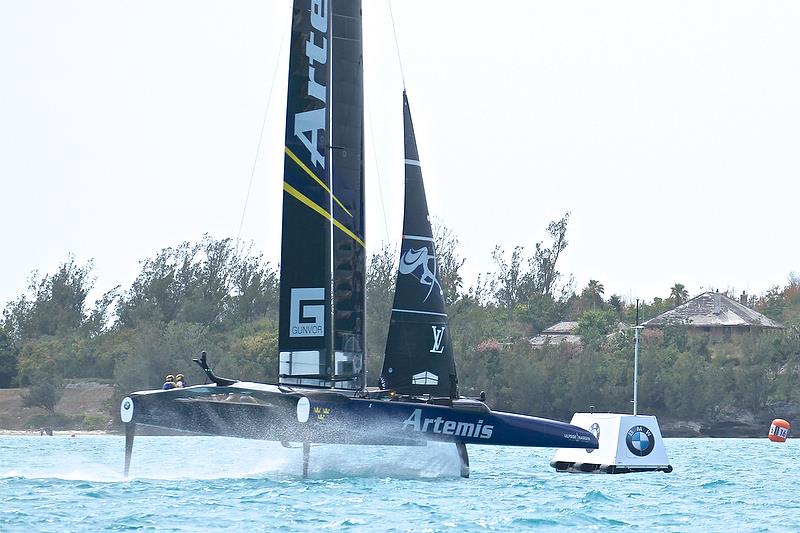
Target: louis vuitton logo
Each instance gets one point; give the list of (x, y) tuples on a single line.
[(438, 338)]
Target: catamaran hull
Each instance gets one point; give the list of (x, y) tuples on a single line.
[(267, 412)]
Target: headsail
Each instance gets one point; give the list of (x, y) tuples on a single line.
[(323, 199), (419, 354)]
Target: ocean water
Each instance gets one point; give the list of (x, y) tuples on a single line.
[(215, 484)]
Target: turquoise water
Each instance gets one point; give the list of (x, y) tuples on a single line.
[(214, 484)]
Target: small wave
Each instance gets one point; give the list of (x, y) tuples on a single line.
[(534, 522), (596, 496), (714, 484)]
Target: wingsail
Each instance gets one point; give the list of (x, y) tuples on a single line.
[(321, 336), (347, 157)]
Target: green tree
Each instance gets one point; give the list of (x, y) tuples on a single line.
[(543, 265), (518, 280), (44, 391), (9, 353), (381, 278), (509, 284), (209, 283), (678, 294), (594, 325), (593, 294), (54, 304), (448, 263)]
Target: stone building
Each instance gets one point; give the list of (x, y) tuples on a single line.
[(717, 315)]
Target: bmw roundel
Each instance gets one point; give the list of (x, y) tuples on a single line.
[(126, 409), (640, 441)]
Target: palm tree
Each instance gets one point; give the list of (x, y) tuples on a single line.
[(594, 293), (679, 294)]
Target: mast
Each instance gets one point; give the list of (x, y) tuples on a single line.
[(419, 354)]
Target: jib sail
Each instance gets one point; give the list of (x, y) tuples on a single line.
[(419, 355)]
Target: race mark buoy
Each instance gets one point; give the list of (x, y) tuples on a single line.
[(779, 430)]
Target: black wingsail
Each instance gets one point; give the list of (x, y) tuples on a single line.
[(305, 334), (321, 321), (419, 354), (347, 155)]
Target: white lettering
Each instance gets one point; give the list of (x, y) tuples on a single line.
[(413, 420), (308, 124), (464, 429), (319, 15), (441, 426), (306, 127)]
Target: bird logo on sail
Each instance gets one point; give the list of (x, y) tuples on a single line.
[(420, 259)]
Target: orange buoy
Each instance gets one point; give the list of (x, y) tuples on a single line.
[(779, 430)]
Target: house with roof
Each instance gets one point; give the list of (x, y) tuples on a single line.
[(717, 315), (563, 332)]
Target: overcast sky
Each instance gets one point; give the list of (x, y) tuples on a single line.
[(670, 131)]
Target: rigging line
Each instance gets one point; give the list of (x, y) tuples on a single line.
[(261, 134), (377, 168), (205, 327), (396, 45)]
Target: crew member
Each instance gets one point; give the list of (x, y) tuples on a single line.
[(180, 381), (169, 382)]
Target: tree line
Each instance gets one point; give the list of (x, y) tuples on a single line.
[(214, 296)]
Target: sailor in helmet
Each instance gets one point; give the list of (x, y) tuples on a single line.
[(179, 381), (169, 382)]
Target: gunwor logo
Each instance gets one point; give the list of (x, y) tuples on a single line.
[(447, 427), (307, 313), (308, 124)]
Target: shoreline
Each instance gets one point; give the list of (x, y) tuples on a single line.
[(56, 433)]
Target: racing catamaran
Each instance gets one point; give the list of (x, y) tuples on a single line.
[(321, 395)]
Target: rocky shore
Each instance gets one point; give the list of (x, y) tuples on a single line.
[(732, 423)]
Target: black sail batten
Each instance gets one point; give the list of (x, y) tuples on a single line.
[(419, 355), (347, 155), (305, 329)]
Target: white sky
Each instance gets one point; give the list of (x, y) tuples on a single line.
[(670, 131)]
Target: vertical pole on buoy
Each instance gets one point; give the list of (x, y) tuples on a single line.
[(636, 362)]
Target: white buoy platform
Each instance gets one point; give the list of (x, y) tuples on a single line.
[(628, 443)]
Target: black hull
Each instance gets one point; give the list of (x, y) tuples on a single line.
[(267, 412)]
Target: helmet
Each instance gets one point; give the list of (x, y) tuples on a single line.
[(170, 378), (179, 377)]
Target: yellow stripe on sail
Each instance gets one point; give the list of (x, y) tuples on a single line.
[(315, 178), (307, 201)]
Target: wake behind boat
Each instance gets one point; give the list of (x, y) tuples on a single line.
[(321, 396)]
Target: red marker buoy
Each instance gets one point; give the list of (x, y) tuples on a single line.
[(779, 430)]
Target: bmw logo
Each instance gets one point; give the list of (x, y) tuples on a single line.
[(126, 410), (640, 441)]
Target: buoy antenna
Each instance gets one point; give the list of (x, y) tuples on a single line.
[(636, 329)]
